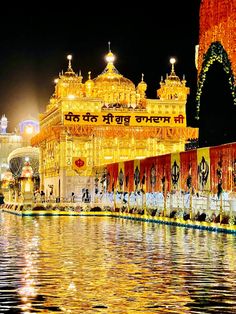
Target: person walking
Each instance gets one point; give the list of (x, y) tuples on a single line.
[(72, 197)]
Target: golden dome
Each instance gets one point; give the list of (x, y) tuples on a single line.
[(111, 85), (111, 74), (142, 86)]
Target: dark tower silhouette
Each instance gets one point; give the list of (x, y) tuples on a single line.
[(216, 90), (217, 114)]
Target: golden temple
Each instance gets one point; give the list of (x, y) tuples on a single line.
[(107, 119)]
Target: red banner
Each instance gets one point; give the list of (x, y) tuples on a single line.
[(151, 174), (112, 174), (163, 163), (129, 176), (188, 170), (223, 166)]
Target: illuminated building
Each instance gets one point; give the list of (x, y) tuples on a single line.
[(15, 140), (107, 119)]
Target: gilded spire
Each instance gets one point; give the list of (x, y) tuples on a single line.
[(172, 62), (69, 71), (68, 85), (173, 88), (69, 58), (112, 86), (142, 87), (110, 58), (89, 84)]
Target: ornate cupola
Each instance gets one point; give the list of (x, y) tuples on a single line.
[(67, 85), (141, 88), (173, 88), (111, 86), (89, 84)]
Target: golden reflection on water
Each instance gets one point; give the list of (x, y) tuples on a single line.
[(108, 265)]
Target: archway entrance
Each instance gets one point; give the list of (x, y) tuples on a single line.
[(217, 119)]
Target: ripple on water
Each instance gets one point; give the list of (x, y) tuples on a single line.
[(105, 265)]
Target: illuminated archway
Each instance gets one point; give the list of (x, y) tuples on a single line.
[(217, 114), (215, 53)]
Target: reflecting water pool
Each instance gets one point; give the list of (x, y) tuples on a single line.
[(109, 265)]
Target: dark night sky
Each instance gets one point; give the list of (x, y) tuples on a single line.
[(36, 39)]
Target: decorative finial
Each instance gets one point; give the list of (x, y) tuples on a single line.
[(109, 46), (56, 80), (172, 61), (110, 57), (183, 77), (142, 77), (161, 78), (69, 58), (79, 72), (89, 75)]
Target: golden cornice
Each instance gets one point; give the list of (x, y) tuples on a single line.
[(46, 114), (47, 133), (160, 133)]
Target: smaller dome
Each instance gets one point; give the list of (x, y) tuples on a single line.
[(7, 176), (89, 83), (69, 73), (172, 88), (142, 86), (173, 78), (19, 156), (32, 152)]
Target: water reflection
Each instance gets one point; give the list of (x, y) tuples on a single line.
[(106, 265)]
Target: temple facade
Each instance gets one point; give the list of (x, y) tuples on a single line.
[(106, 119), (10, 141)]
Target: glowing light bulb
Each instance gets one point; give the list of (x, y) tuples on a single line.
[(29, 129), (110, 57), (172, 60)]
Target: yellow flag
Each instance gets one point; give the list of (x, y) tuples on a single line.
[(203, 161), (175, 171), (121, 176), (137, 178)]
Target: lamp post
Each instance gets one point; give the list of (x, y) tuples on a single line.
[(27, 183)]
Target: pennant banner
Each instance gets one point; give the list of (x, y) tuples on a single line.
[(188, 170), (163, 173), (151, 174), (203, 161), (136, 174), (129, 176), (175, 171), (121, 177), (204, 169)]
